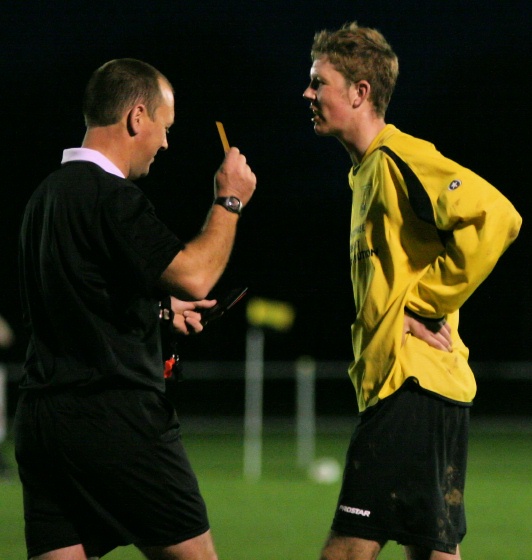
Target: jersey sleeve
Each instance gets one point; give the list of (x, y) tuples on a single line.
[(142, 244), (476, 225)]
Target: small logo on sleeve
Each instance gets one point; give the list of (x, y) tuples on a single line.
[(454, 184)]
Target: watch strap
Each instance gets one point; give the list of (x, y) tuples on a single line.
[(230, 203)]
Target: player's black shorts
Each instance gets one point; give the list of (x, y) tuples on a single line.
[(104, 468), (405, 472)]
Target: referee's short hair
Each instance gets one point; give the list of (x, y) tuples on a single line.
[(119, 85)]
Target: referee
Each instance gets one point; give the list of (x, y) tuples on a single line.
[(98, 444)]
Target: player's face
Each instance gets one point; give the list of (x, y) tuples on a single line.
[(330, 101), (154, 134)]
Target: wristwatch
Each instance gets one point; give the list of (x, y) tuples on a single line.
[(230, 203)]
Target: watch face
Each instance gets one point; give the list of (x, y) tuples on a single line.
[(233, 203)]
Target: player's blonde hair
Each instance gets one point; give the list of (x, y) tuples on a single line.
[(361, 53)]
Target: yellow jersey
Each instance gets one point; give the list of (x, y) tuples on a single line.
[(425, 232)]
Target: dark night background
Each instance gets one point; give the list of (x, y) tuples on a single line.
[(464, 85)]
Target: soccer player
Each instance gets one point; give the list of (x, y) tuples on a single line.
[(98, 444), (425, 232)]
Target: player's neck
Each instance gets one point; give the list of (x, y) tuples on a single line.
[(360, 138)]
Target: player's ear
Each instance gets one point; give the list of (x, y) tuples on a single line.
[(359, 92), (134, 119)]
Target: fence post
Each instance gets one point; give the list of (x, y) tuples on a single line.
[(305, 411), (254, 374)]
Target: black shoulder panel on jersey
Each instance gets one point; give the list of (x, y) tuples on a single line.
[(419, 199)]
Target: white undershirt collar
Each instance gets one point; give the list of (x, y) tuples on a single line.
[(86, 154)]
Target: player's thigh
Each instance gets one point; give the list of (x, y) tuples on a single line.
[(197, 548), (342, 547), (419, 553), (76, 552)]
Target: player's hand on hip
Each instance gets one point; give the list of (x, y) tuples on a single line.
[(435, 333)]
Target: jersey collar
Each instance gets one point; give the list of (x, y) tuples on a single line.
[(93, 156)]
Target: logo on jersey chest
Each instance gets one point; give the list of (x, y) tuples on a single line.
[(360, 253)]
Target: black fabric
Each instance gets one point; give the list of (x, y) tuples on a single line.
[(418, 197), (89, 478), (405, 472), (91, 254)]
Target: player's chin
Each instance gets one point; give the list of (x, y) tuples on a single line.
[(321, 130), (319, 125)]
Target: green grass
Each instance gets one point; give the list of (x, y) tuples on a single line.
[(286, 516)]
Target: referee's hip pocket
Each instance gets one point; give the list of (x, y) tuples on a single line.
[(167, 424), (155, 415), (170, 435)]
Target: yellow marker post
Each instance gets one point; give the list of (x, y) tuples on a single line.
[(223, 136), (276, 315), (261, 314)]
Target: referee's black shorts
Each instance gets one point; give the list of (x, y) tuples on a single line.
[(405, 472), (104, 468)]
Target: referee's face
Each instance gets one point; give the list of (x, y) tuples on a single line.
[(153, 136)]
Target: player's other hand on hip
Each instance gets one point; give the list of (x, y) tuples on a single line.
[(436, 333)]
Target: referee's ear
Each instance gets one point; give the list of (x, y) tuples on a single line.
[(135, 118)]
